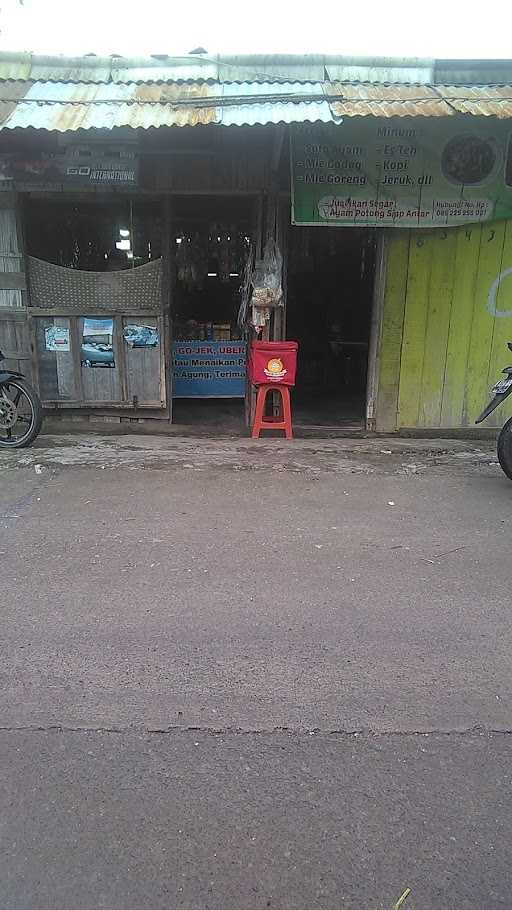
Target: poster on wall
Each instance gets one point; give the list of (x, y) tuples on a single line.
[(97, 343), (56, 339), (141, 336), (209, 369), (401, 172)]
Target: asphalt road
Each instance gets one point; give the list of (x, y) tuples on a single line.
[(225, 687)]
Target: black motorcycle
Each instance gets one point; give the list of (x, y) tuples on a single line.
[(501, 391), (21, 414)]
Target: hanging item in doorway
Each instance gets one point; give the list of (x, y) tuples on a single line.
[(97, 343), (267, 288), (191, 261)]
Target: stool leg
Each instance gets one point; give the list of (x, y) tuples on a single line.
[(258, 416), (287, 411)]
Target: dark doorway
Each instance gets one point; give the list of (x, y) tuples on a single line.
[(211, 238), (331, 276)]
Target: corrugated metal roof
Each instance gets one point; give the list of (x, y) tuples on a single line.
[(480, 101), (472, 72), (68, 106), (363, 100), (262, 68), (415, 72), (177, 69), (261, 103)]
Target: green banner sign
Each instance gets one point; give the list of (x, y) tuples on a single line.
[(401, 172)]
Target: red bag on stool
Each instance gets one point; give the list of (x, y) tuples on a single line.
[(273, 362)]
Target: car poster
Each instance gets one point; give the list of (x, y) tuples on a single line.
[(141, 336), (97, 343)]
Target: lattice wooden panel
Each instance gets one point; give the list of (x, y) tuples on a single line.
[(56, 287)]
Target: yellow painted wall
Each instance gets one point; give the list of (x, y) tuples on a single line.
[(445, 326)]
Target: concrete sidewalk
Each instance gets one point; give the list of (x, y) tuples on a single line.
[(303, 455)]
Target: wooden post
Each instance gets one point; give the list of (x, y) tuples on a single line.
[(120, 354), (76, 334), (168, 285)]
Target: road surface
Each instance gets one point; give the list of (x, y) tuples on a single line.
[(240, 675)]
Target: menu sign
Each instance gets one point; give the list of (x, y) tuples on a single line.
[(401, 172)]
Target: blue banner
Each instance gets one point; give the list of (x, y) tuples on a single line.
[(209, 369)]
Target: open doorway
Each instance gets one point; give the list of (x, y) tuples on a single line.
[(212, 240), (331, 276)]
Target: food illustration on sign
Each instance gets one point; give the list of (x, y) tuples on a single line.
[(275, 368), (468, 159)]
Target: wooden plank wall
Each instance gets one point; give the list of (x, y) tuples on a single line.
[(14, 327), (447, 319), (12, 278), (15, 341), (143, 369)]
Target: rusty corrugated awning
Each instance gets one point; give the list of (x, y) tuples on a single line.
[(68, 106), (68, 94)]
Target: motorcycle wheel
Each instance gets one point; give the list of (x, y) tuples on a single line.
[(21, 414), (505, 449)]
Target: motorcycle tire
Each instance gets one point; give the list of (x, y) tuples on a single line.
[(505, 449), (37, 417)]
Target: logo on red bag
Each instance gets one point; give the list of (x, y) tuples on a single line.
[(275, 369)]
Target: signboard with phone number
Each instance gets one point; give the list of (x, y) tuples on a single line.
[(402, 172)]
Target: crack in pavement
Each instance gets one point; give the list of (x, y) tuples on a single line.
[(477, 730)]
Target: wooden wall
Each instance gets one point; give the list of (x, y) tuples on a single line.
[(14, 329), (15, 341), (446, 321)]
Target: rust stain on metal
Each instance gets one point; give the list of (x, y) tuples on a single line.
[(175, 97), (370, 99), (66, 106), (479, 100)]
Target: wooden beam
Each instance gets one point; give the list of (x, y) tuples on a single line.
[(11, 314), (168, 291), (93, 311), (13, 281)]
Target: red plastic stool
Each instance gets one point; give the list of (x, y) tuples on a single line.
[(283, 422)]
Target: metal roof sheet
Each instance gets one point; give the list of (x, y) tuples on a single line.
[(165, 69), (241, 68), (414, 72), (479, 100), (68, 106), (472, 72), (262, 103), (365, 99)]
